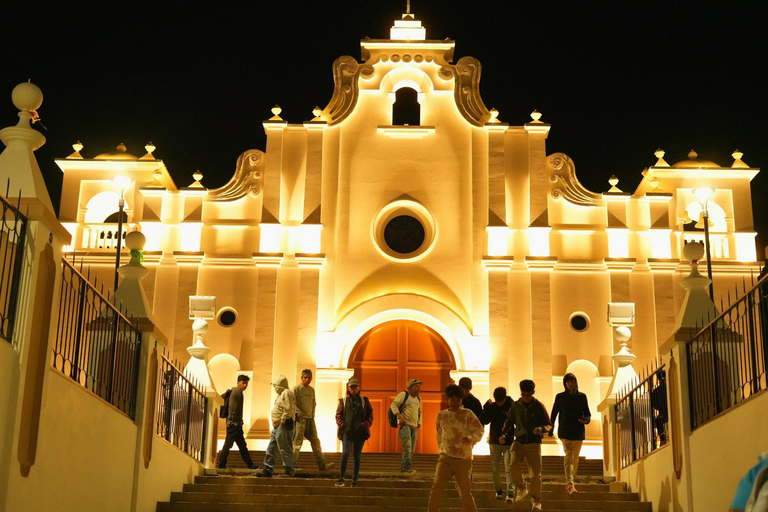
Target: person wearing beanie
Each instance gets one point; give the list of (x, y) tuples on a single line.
[(305, 421), (354, 417), (281, 436), (572, 407)]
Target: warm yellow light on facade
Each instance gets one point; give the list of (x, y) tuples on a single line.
[(618, 243), (269, 241), (745, 246), (497, 240), (310, 238), (661, 246), (154, 233), (538, 241), (408, 30), (190, 236)]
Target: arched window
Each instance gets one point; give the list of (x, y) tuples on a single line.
[(406, 109)]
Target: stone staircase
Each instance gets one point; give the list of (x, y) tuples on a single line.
[(383, 489)]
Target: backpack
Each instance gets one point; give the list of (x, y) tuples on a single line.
[(224, 409), (392, 417)]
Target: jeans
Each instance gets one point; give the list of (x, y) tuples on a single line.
[(234, 435), (500, 452), (306, 429), (280, 439), (347, 443), (408, 436), (446, 468)]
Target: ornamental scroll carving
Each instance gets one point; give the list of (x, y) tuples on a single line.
[(346, 73), (467, 89), (248, 178), (566, 185)]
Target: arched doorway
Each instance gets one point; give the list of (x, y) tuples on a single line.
[(384, 359)]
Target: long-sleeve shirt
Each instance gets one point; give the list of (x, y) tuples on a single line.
[(284, 407), (412, 409), (235, 404), (452, 428), (473, 404), (305, 400)]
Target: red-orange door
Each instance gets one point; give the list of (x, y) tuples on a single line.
[(384, 359)]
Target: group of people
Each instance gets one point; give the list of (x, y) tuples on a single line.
[(516, 432)]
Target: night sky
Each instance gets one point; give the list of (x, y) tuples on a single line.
[(616, 79)]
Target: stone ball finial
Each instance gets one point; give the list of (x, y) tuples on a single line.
[(613, 180), (200, 326), (276, 110), (317, 111), (494, 115), (135, 241), (149, 148), (659, 153), (197, 176), (737, 155), (693, 155), (622, 333), (693, 251), (78, 146), (27, 96), (535, 115)]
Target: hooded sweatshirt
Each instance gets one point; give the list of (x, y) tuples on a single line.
[(285, 403), (571, 408)]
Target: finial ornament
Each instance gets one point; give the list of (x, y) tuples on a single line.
[(197, 176), (121, 148), (659, 153), (692, 155), (276, 110), (77, 146), (494, 116), (613, 180), (149, 147), (654, 183), (536, 115), (27, 97), (407, 6), (737, 161), (317, 112)]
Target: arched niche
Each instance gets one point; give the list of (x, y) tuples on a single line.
[(101, 206)]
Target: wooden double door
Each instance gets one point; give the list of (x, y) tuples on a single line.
[(384, 359)]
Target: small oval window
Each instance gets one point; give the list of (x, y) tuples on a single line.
[(227, 317), (579, 322)]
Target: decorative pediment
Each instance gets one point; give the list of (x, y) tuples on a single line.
[(564, 184), (466, 73), (346, 73), (248, 178)]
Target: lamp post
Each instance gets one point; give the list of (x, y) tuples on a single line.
[(702, 195), (121, 184)]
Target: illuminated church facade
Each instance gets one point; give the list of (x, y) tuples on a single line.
[(405, 231)]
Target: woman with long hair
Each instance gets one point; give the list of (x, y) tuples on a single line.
[(354, 417)]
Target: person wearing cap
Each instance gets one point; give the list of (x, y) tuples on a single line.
[(407, 407), (305, 421), (281, 436), (354, 417)]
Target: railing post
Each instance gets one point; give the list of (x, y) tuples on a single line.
[(205, 429), (169, 404), (16, 275), (632, 424), (113, 357), (189, 417), (75, 372), (716, 367), (751, 335)]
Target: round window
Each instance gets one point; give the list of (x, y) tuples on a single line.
[(579, 322), (404, 234), (227, 317), (404, 231)]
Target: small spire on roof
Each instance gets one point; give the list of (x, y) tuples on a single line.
[(692, 155), (494, 116), (659, 153), (737, 161), (318, 113), (121, 148), (613, 180), (197, 176), (276, 113), (149, 148), (536, 116), (77, 146)]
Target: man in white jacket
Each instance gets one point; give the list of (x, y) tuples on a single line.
[(458, 430), (281, 437)]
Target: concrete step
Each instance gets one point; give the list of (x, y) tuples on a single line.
[(448, 506)]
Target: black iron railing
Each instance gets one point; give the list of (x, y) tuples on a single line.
[(13, 228), (97, 346), (728, 355), (181, 410), (642, 415)]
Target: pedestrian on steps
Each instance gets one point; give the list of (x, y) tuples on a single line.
[(495, 412), (458, 430), (572, 408), (354, 417), (407, 407), (305, 421), (281, 436), (235, 425)]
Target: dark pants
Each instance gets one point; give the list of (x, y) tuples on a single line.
[(234, 435), (347, 443)]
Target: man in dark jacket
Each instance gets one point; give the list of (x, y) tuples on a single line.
[(572, 407), (495, 413), (528, 421), (235, 425), (470, 401)]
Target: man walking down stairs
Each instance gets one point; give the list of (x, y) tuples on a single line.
[(384, 489)]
